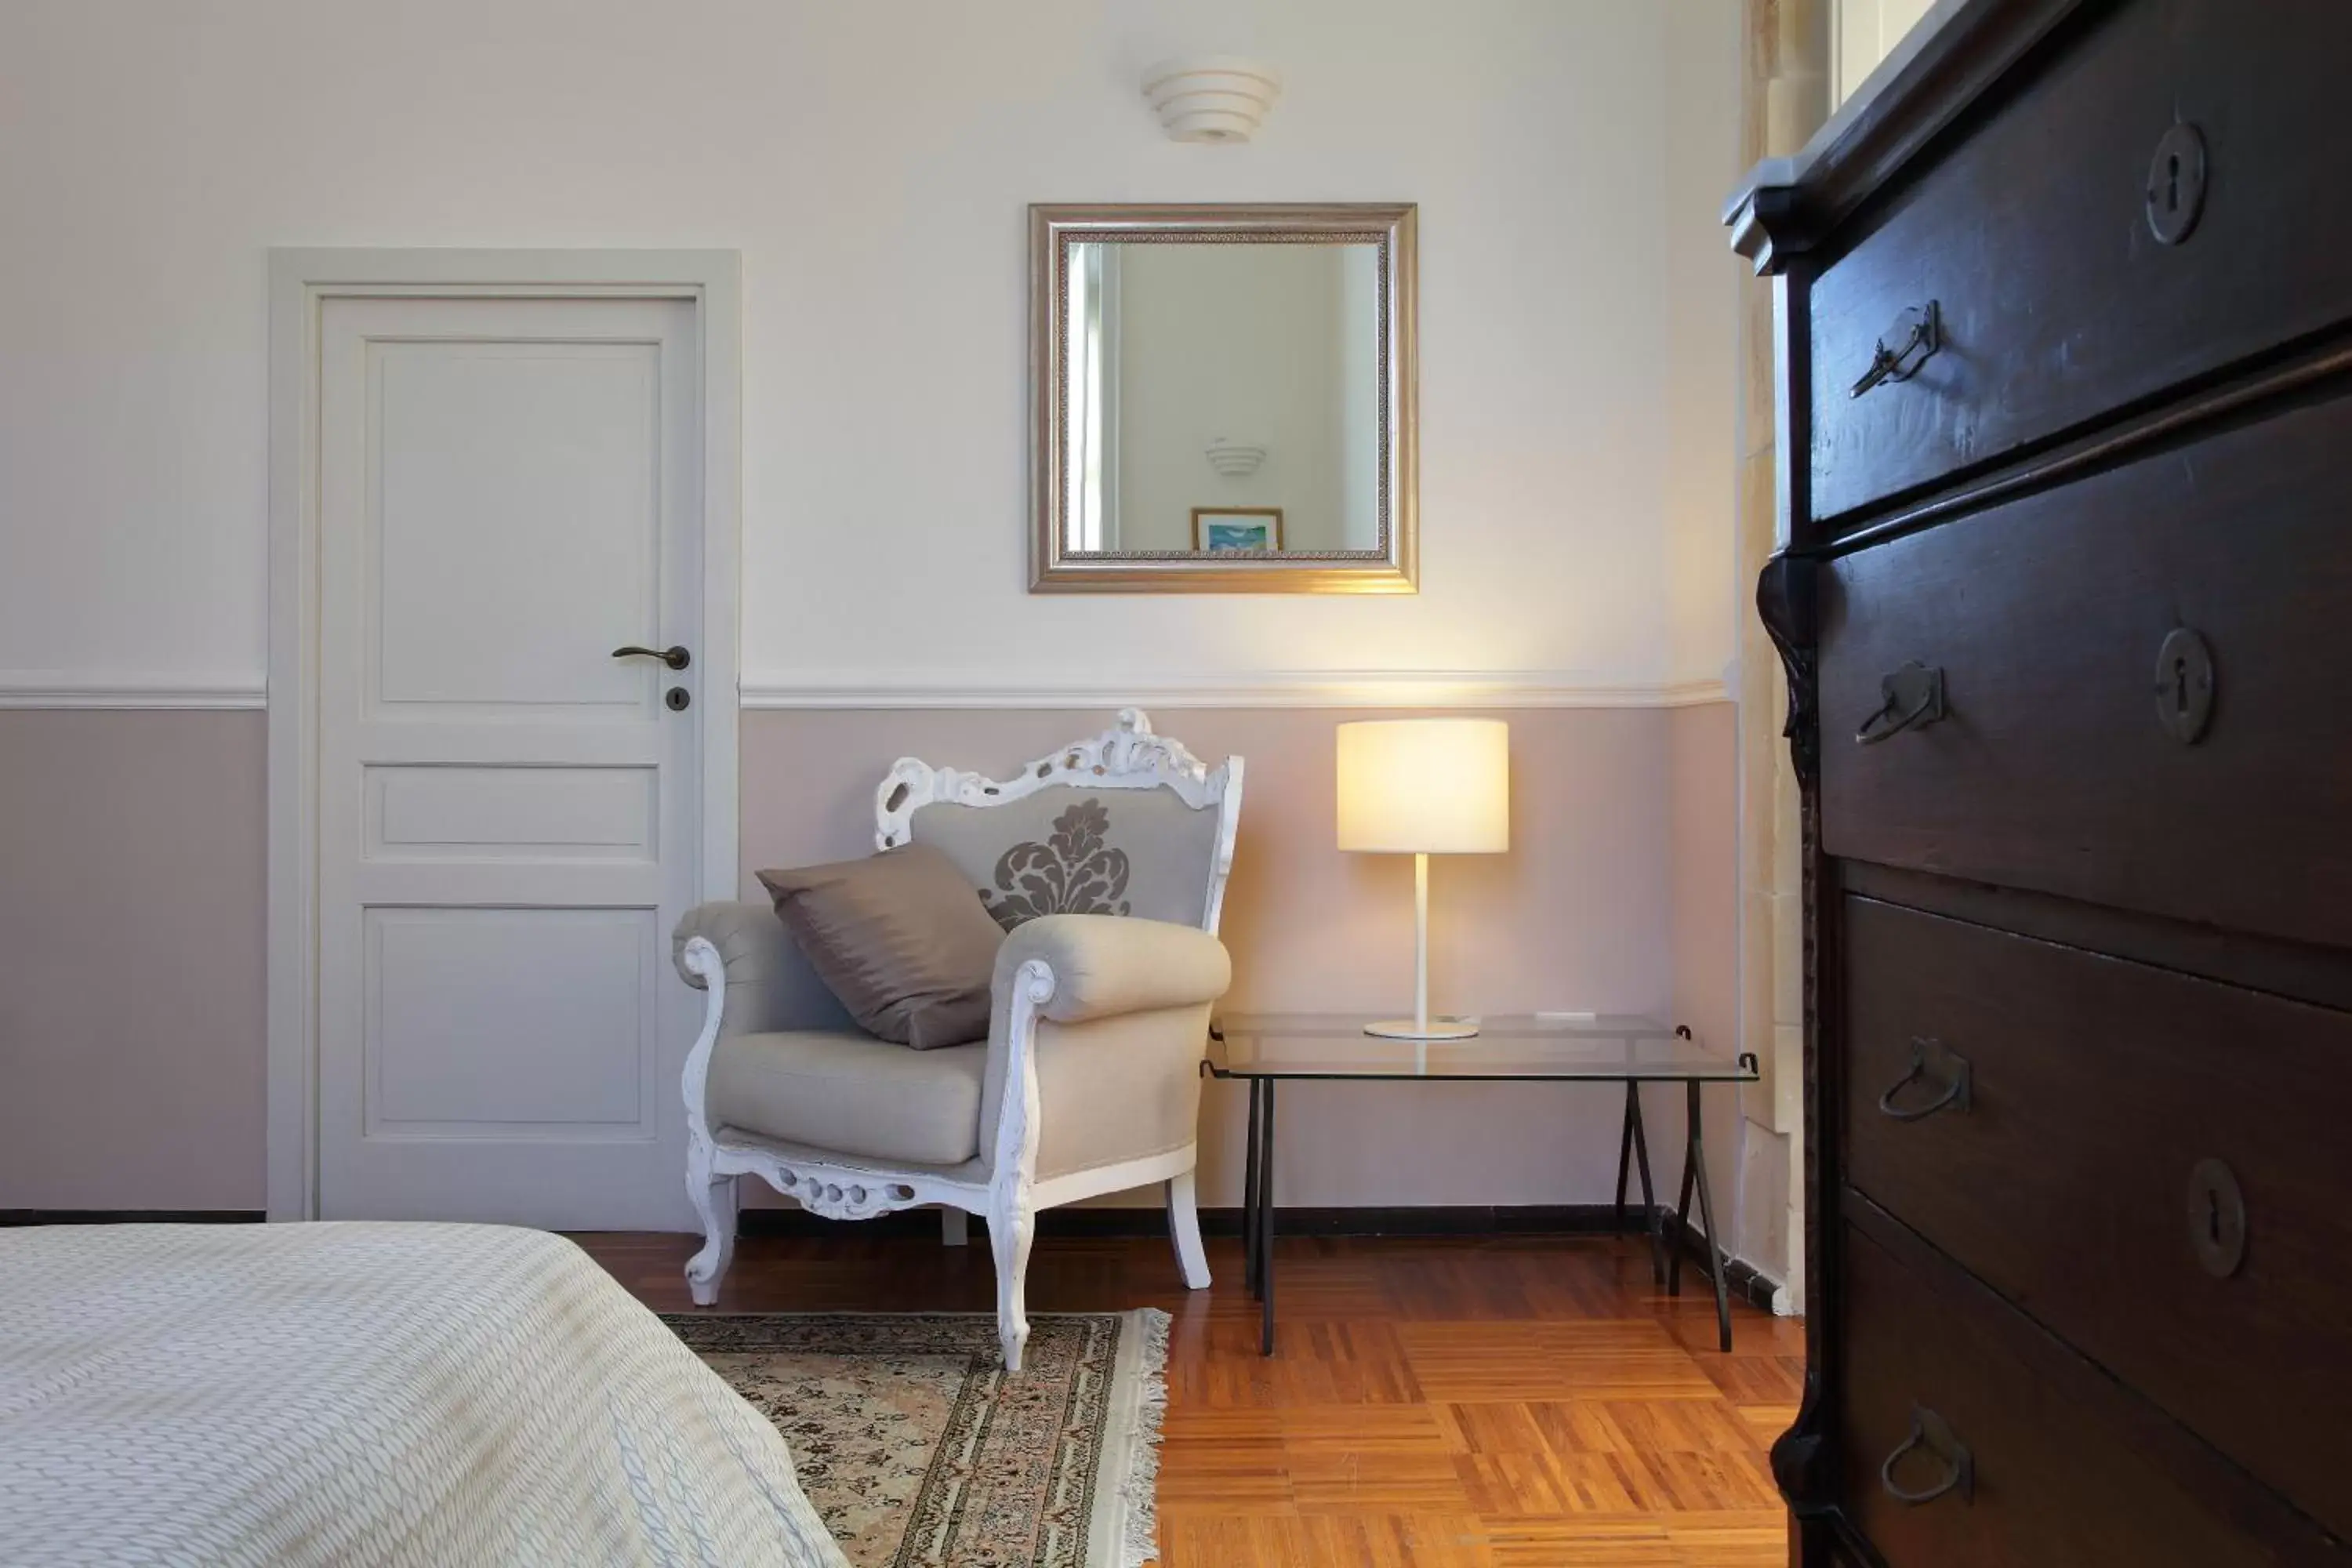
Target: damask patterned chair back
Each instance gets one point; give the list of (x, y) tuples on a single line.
[(1128, 823)]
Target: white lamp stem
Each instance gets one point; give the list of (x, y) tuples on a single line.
[(1418, 1026), (1420, 944)]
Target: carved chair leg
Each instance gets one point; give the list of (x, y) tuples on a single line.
[(1185, 1230), (1011, 1228), (714, 1201)]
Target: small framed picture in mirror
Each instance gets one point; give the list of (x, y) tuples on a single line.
[(1224, 529)]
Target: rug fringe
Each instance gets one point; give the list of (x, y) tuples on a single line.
[(1140, 1494)]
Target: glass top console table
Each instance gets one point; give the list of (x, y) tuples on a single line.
[(1269, 1048)]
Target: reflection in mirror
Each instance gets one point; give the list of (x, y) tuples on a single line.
[(1225, 400)]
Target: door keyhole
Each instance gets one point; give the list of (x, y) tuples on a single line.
[(2214, 1217), (2180, 687), (2172, 183)]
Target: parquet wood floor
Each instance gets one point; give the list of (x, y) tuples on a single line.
[(1504, 1403)]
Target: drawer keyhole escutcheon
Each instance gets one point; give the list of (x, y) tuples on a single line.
[(1931, 1433), (2217, 1218), (2184, 685), (2176, 185), (1909, 698), (1932, 1060)]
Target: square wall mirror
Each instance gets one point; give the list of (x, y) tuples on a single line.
[(1222, 399)]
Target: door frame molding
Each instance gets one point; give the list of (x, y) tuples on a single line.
[(300, 282)]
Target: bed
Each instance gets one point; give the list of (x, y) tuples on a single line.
[(366, 1393)]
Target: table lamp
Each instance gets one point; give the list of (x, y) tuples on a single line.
[(1423, 787)]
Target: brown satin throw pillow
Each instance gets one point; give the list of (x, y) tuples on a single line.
[(900, 937)]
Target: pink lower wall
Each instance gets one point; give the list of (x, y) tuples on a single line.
[(1620, 858), (132, 904), (132, 855), (1703, 878)]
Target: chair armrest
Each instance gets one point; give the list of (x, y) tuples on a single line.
[(758, 957), (1104, 1069), (1104, 965)]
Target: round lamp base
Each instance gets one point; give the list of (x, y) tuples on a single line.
[(1436, 1029)]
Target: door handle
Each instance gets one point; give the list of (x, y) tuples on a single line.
[(676, 658)]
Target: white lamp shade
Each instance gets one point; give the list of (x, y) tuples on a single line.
[(1432, 787)]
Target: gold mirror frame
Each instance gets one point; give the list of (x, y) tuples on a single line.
[(1391, 568)]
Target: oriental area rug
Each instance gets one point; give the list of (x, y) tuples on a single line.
[(919, 1452)]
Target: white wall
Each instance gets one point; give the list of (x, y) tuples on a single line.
[(1697, 341), (1861, 34), (872, 162)]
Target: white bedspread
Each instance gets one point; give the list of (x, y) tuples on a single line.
[(366, 1393)]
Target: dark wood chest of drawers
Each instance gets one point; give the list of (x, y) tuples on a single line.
[(2064, 325)]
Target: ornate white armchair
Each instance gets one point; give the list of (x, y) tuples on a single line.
[(1106, 863)]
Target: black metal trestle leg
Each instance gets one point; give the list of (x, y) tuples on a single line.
[(1682, 1223), (1695, 1174), (1266, 1225), (1652, 1222), (1249, 1195), (1624, 1154)]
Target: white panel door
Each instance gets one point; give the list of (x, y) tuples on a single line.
[(508, 829)]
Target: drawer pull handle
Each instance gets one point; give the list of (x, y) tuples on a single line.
[(1911, 697), (1959, 1082), (1933, 1433), (1918, 333)]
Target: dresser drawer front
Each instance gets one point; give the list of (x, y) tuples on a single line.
[(2072, 1170), (2054, 767), (2064, 1469), (2056, 300)]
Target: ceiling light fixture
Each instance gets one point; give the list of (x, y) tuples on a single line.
[(1212, 97)]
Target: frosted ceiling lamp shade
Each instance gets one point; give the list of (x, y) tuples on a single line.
[(1423, 787), (1212, 97)]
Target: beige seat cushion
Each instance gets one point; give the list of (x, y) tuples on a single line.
[(851, 1093)]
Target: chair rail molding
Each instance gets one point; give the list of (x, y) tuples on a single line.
[(121, 689), (1270, 688), (787, 689)]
